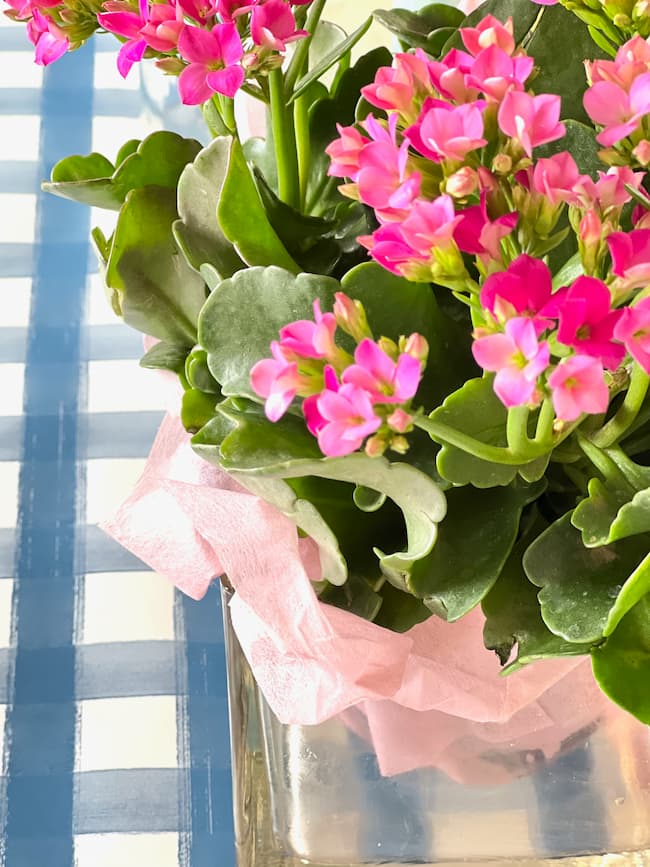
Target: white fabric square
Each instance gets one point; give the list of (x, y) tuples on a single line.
[(126, 850), (12, 383), (16, 299), (127, 606), (110, 133), (18, 67), (106, 75), (9, 471), (98, 307), (17, 218), (123, 733), (20, 135), (109, 481), (124, 386)]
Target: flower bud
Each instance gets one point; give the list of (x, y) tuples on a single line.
[(400, 421), (415, 345), (389, 347), (642, 152), (351, 317), (502, 164), (400, 445), (375, 446), (462, 183), (591, 229)]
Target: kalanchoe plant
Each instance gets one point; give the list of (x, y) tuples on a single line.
[(418, 320)]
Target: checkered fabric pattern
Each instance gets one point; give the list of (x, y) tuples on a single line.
[(112, 685)]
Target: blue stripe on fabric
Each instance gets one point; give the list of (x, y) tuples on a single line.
[(41, 721), (16, 260), (108, 669), (103, 554), (12, 342), (10, 440), (108, 342), (212, 838), (118, 434), (18, 177)]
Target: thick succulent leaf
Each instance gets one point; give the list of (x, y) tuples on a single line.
[(418, 29), (272, 297), (165, 356), (513, 619), (153, 287), (580, 141), (243, 220), (198, 232), (475, 410), (355, 596), (400, 611), (586, 591), (622, 665), (474, 541)]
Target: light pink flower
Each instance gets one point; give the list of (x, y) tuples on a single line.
[(489, 31), (524, 289), (616, 109), (430, 224), (609, 191), (310, 339), (49, 40), (447, 132), (630, 253), (555, 178), (587, 321), (385, 380), (518, 359), (531, 120), (590, 229), (633, 329), (344, 152), (388, 248), (632, 60), (273, 25), (386, 180), (277, 380), (213, 57), (449, 76), (578, 386), (494, 72), (480, 236), (341, 419), (397, 87)]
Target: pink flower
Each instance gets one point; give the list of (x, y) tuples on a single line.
[(430, 224), (555, 178), (341, 419), (617, 110), (578, 386), (213, 57), (273, 25), (531, 120), (277, 380), (310, 339), (633, 329), (122, 22), (609, 191), (385, 179), (446, 132), (632, 59), (396, 88), (630, 253), (229, 10), (344, 152), (162, 30), (388, 247), (478, 235), (494, 72), (385, 380), (524, 289), (489, 31), (49, 40), (517, 358), (449, 76), (587, 321)]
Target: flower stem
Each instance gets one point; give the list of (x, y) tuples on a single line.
[(544, 430), (301, 54), (604, 463), (627, 412), (494, 454), (284, 141), (517, 430), (303, 144)]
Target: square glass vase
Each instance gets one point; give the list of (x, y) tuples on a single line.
[(317, 796)]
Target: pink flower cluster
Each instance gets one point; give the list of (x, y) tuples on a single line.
[(213, 44), (441, 116), (46, 35), (347, 399), (618, 99), (526, 323)]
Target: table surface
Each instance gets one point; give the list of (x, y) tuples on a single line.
[(113, 703)]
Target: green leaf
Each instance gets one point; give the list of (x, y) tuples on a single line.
[(82, 168), (197, 232), (474, 541), (580, 141), (165, 356), (417, 29), (570, 271), (154, 289), (198, 374), (513, 617), (242, 218), (272, 297), (614, 509), (586, 591), (197, 408), (355, 596), (400, 611), (475, 410), (622, 665), (327, 62)]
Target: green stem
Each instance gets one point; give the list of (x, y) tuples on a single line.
[(445, 434), (301, 54), (604, 463), (303, 144), (627, 412), (517, 430), (284, 141), (544, 430), (228, 114)]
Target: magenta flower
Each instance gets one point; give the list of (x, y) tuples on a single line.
[(310, 339), (630, 253), (344, 152), (555, 178), (447, 132), (273, 25), (587, 321), (524, 289), (162, 30), (480, 236), (385, 380), (489, 31), (389, 248), (633, 329), (531, 120), (229, 10), (49, 40), (494, 72), (120, 20), (341, 419), (385, 179), (430, 225), (449, 76), (213, 57), (578, 386), (616, 109), (518, 359), (277, 380)]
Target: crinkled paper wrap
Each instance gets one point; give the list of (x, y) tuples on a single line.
[(192, 522)]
